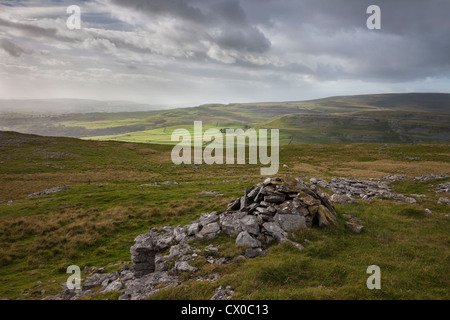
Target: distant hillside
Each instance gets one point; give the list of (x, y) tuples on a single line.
[(62, 106), (424, 102), (399, 118)]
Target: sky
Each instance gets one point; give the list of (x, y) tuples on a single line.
[(190, 52)]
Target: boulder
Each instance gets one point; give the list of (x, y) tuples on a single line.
[(244, 239), (325, 217), (193, 229), (210, 231), (250, 224), (290, 222), (353, 227), (230, 224), (184, 266), (274, 230)]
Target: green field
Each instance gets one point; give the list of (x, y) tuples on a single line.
[(94, 222)]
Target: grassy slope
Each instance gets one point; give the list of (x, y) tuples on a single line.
[(96, 220)]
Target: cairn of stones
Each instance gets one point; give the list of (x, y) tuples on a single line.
[(266, 213)]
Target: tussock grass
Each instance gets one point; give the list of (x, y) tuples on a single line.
[(95, 221)]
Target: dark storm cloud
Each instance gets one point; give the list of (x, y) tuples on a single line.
[(413, 42), (11, 48), (222, 21)]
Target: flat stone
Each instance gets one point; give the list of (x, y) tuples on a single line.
[(274, 230), (115, 285), (307, 199), (208, 218), (95, 281), (274, 198)]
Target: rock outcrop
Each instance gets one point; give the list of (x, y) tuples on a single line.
[(347, 189), (266, 212)]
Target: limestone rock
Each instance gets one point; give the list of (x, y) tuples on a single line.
[(250, 224), (115, 285), (210, 231), (207, 218), (222, 294), (179, 250), (244, 239), (325, 217), (230, 224), (193, 229), (290, 222), (274, 230), (341, 198), (353, 227), (184, 266)]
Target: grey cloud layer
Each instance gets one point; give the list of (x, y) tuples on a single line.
[(283, 45), (11, 48)]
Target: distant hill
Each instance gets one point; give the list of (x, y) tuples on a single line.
[(63, 106), (397, 118), (423, 102)]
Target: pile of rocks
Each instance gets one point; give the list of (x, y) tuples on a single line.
[(346, 189), (265, 213), (48, 191)]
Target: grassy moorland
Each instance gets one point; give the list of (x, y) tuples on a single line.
[(94, 222)]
